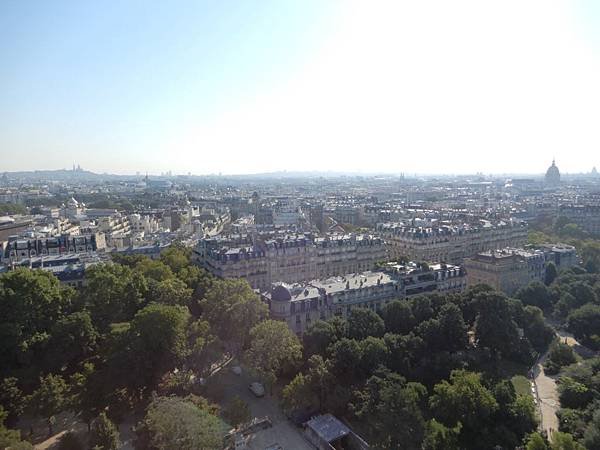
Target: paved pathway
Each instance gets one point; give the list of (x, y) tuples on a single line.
[(545, 385), (547, 397)]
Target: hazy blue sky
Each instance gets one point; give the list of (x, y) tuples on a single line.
[(264, 85)]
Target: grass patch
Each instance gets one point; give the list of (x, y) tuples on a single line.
[(522, 385)]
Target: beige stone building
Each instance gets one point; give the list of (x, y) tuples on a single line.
[(450, 243), (301, 304), (289, 259), (506, 270)]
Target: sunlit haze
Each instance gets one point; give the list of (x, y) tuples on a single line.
[(251, 87)]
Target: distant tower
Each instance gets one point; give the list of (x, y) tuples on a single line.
[(552, 175)]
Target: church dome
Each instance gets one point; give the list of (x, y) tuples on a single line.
[(553, 175)]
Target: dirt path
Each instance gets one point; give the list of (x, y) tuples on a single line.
[(547, 396)]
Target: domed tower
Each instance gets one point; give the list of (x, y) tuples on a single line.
[(281, 300), (552, 175)]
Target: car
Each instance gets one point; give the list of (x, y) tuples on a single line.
[(257, 389), (236, 370)]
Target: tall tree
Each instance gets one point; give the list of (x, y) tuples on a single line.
[(31, 301), (11, 439), (104, 434), (174, 423), (49, 399), (398, 317), (391, 408), (273, 347), (362, 323), (584, 323), (157, 341), (73, 338), (236, 412), (113, 293), (537, 294), (232, 309), (12, 399), (464, 399), (495, 327), (318, 337)]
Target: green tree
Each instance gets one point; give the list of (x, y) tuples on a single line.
[(232, 309), (297, 394), (320, 378), (88, 393), (537, 294), (454, 328), (440, 437), (236, 412), (113, 293), (204, 347), (72, 340), (536, 330), (591, 437), (564, 441), (154, 269), (464, 399), (590, 254), (573, 394), (31, 301), (346, 355), (157, 342), (551, 273), (362, 323), (12, 399), (176, 257), (273, 347), (50, 398), (171, 291), (560, 355), (373, 353), (391, 409), (11, 439), (174, 423), (398, 317), (495, 327), (318, 337), (104, 434), (584, 323), (535, 441)]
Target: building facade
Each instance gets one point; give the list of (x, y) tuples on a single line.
[(450, 243), (506, 270), (301, 304), (20, 249), (290, 259)]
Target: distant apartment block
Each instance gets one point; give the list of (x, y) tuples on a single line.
[(301, 304), (290, 258), (18, 249), (587, 217), (448, 242), (510, 269), (506, 270)]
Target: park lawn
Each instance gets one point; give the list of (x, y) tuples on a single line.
[(522, 385)]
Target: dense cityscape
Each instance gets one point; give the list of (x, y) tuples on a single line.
[(300, 225), (299, 311)]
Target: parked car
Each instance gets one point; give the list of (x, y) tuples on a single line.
[(257, 389), (236, 370)]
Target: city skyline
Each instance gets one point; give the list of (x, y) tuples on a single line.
[(337, 87)]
